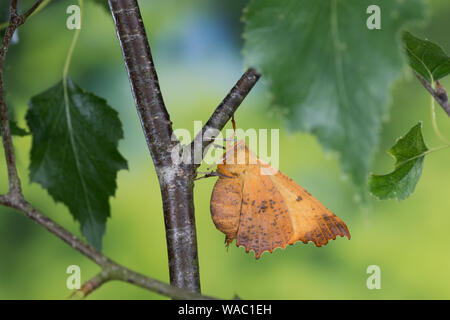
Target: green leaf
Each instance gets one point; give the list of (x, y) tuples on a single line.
[(13, 126), (328, 73), (16, 130), (426, 58), (74, 153), (409, 152)]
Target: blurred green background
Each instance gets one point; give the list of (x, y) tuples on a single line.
[(196, 46)]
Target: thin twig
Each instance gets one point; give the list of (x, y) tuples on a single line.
[(111, 270), (441, 99), (23, 206), (176, 181), (226, 109), (13, 7), (38, 6), (30, 11), (91, 285), (15, 20)]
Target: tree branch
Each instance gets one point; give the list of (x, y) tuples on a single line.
[(14, 199), (15, 20), (440, 97), (138, 59), (38, 6), (111, 270), (33, 8), (176, 181), (91, 285), (227, 107)]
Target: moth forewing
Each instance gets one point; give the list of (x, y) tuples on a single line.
[(267, 211)]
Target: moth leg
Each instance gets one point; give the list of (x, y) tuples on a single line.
[(228, 241), (219, 162), (211, 174), (226, 139), (218, 146), (215, 145)]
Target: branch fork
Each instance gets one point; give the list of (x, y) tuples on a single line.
[(176, 181)]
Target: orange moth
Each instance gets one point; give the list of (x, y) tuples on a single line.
[(266, 211)]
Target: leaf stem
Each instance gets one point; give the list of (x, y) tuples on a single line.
[(434, 120), (424, 154), (72, 48)]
